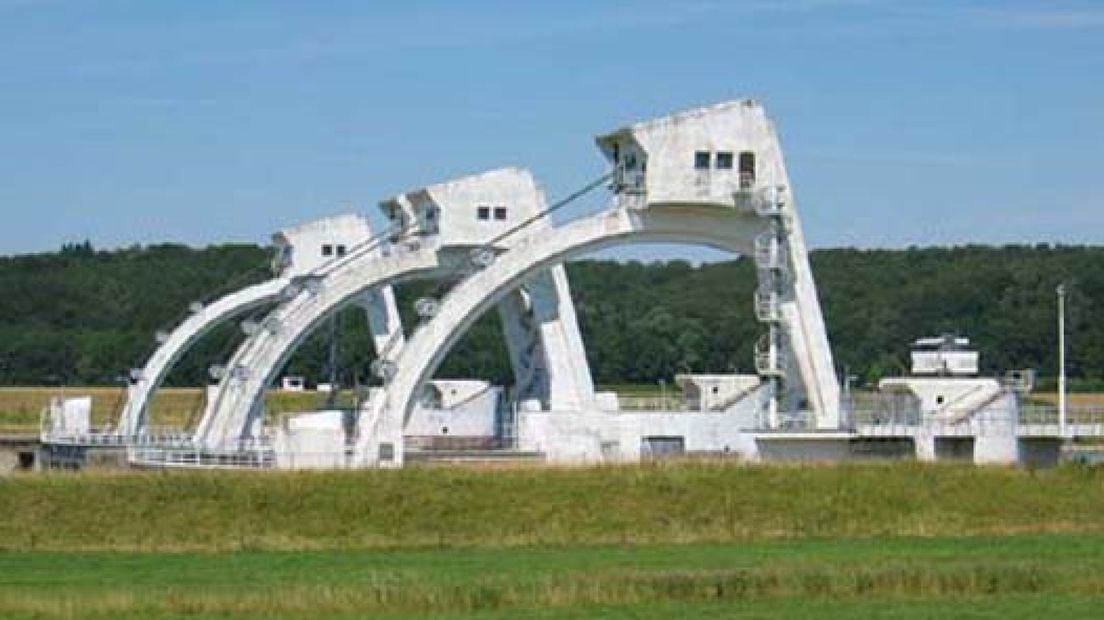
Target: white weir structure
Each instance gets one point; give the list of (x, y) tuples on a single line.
[(712, 176)]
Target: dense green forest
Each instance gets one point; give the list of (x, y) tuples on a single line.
[(81, 316)]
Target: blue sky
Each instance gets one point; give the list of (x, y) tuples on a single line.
[(200, 122)]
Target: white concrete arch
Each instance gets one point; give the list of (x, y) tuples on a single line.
[(198, 324), (239, 397), (728, 229), (236, 404), (300, 253)]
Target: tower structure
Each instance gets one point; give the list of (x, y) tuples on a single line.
[(728, 156)]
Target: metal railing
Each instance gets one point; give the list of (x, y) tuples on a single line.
[(628, 181), (762, 200), (769, 361), (674, 403), (768, 251), (768, 306), (1025, 420), (110, 438), (662, 404), (185, 457)]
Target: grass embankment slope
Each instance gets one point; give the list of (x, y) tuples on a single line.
[(455, 507), (898, 541)]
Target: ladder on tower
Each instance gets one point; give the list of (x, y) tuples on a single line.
[(771, 261)]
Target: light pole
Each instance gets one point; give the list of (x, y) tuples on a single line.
[(1061, 290)]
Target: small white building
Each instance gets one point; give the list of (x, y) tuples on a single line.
[(68, 417), (716, 392), (948, 410), (314, 440), (293, 383)]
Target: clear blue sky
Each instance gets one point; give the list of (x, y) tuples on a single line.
[(904, 123)]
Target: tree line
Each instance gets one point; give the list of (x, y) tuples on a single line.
[(83, 316)]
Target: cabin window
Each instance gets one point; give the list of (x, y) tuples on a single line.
[(724, 160), (483, 213), (327, 249), (341, 250), (701, 160), (500, 213)]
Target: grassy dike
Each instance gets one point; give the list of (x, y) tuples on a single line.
[(526, 506), (704, 539)]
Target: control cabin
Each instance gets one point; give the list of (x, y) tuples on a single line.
[(304, 248), (466, 212), (945, 355), (706, 156)]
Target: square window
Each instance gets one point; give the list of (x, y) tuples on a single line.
[(724, 160), (327, 250), (701, 160), (483, 213), (500, 213), (341, 250)]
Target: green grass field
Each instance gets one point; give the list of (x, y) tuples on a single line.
[(704, 540), (890, 578)]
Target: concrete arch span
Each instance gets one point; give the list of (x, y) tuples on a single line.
[(135, 414), (722, 228), (236, 403), (300, 254)]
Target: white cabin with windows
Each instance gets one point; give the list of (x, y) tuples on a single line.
[(705, 156), (466, 212), (944, 356), (304, 248)]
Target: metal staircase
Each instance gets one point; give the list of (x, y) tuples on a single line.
[(772, 267)]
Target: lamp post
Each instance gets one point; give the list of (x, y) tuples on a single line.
[(1061, 290)]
